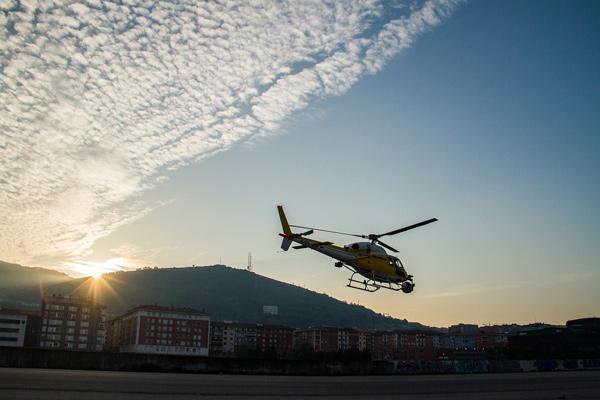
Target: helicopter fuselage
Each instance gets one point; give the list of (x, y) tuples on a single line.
[(366, 258)]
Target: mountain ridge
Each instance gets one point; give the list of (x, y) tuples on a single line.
[(20, 285), (226, 293)]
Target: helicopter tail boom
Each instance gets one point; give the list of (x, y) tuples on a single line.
[(287, 231), (284, 223)]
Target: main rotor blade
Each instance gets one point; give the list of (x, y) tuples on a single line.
[(325, 230), (387, 246), (406, 228)]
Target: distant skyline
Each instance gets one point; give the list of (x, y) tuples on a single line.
[(166, 136)]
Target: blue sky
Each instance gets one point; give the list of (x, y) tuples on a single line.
[(486, 118)]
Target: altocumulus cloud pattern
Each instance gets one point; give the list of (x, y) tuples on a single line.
[(100, 99)]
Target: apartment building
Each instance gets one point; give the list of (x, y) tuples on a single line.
[(328, 339), (72, 323), (161, 330), (12, 328), (229, 338)]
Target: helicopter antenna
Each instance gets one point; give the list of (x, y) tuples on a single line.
[(249, 267)]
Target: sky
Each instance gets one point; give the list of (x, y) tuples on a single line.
[(165, 135)]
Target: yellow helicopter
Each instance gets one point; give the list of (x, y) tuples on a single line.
[(368, 259)]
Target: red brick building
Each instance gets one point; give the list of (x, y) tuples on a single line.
[(491, 337), (162, 330), (385, 345), (274, 337), (416, 345), (467, 339), (229, 338), (327, 339), (318, 338), (405, 345)]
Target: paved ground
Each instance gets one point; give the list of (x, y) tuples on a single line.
[(74, 384)]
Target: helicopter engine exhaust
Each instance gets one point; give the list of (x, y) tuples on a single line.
[(407, 286)]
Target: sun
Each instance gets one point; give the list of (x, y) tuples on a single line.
[(96, 273), (95, 269)]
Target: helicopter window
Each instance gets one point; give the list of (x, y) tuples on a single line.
[(355, 246)]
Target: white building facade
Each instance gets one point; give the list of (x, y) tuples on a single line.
[(12, 329)]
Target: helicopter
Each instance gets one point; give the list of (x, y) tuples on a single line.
[(367, 259)]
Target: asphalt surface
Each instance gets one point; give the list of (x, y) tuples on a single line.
[(76, 384)]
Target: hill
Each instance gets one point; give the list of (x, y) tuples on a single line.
[(226, 293), (20, 286)]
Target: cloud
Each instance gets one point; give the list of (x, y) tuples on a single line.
[(98, 100)]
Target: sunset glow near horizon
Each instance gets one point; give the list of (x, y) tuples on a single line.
[(135, 136)]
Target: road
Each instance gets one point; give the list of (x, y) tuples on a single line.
[(101, 385)]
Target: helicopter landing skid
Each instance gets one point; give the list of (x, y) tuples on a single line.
[(370, 285)]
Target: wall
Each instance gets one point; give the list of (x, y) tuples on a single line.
[(42, 358)]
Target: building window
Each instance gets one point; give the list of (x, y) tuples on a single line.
[(9, 321)]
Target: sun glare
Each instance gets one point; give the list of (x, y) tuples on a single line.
[(96, 269), (96, 274)]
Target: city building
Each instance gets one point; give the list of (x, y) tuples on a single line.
[(329, 339), (222, 338), (580, 338), (354, 338), (274, 338), (113, 334), (162, 330), (19, 328), (491, 337), (320, 338), (72, 323), (461, 337), (244, 337), (385, 345), (406, 345), (417, 345), (229, 338), (12, 328)]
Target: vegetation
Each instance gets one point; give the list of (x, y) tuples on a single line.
[(20, 286), (226, 293)]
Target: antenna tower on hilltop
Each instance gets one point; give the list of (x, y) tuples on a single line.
[(249, 267)]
